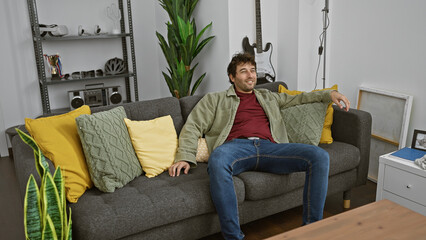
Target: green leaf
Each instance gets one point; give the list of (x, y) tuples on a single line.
[(51, 204), (183, 31), (188, 80), (32, 211), (164, 46), (185, 55), (197, 83), (189, 49), (181, 68), (197, 40), (169, 82), (40, 161), (202, 44), (191, 9), (68, 230), (49, 229), (60, 186), (27, 139)]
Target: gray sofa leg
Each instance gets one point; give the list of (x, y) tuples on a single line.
[(347, 199)]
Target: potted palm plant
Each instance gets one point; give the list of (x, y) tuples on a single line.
[(183, 44)]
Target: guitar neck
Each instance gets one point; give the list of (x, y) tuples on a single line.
[(259, 44)]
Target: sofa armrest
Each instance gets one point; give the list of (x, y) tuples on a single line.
[(23, 158), (354, 127)]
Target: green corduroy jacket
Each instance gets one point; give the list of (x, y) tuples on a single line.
[(214, 115)]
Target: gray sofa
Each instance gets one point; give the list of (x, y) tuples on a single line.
[(180, 208)]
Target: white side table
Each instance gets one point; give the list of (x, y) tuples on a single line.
[(403, 182)]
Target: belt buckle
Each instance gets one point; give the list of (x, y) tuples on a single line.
[(253, 138)]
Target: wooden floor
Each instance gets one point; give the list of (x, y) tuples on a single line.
[(11, 214)]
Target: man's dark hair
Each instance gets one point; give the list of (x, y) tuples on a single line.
[(237, 59)]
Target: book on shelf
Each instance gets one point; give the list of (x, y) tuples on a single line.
[(409, 153)]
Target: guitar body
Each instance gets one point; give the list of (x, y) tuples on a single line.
[(265, 70)]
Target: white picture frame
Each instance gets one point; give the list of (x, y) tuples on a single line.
[(390, 113)]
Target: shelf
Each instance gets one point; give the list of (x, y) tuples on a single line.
[(84, 37), (58, 111), (125, 37), (49, 81)]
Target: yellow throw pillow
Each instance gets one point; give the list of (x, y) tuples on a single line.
[(326, 131), (58, 139), (155, 143), (202, 151)]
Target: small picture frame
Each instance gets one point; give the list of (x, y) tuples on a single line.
[(419, 140)]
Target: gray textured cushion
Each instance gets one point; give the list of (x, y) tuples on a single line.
[(304, 122), (145, 203), (259, 185), (110, 157)]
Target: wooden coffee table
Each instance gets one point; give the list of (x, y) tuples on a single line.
[(379, 220)]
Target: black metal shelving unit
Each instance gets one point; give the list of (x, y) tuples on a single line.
[(126, 37)]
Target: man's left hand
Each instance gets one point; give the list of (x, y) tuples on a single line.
[(337, 97)]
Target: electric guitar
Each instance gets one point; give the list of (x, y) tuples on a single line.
[(265, 70)]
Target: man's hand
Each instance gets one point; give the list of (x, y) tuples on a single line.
[(174, 170), (336, 97)]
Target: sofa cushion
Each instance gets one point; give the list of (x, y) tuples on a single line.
[(259, 185), (150, 109), (304, 123), (155, 143), (110, 157), (202, 151), (58, 139), (343, 156), (145, 203), (328, 121)]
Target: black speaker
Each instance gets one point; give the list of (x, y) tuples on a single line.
[(76, 99), (115, 96)]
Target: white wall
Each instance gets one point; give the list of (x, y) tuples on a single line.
[(213, 59), (20, 94), (310, 28), (381, 44), (147, 50), (288, 42)]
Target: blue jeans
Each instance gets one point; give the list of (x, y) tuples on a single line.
[(240, 155)]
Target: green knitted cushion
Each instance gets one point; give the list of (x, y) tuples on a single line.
[(110, 157), (304, 122)]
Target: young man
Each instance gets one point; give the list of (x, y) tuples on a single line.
[(244, 131)]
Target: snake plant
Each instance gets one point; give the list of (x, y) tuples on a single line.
[(45, 215), (182, 46)]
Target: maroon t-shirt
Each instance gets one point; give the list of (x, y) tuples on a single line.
[(250, 120)]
